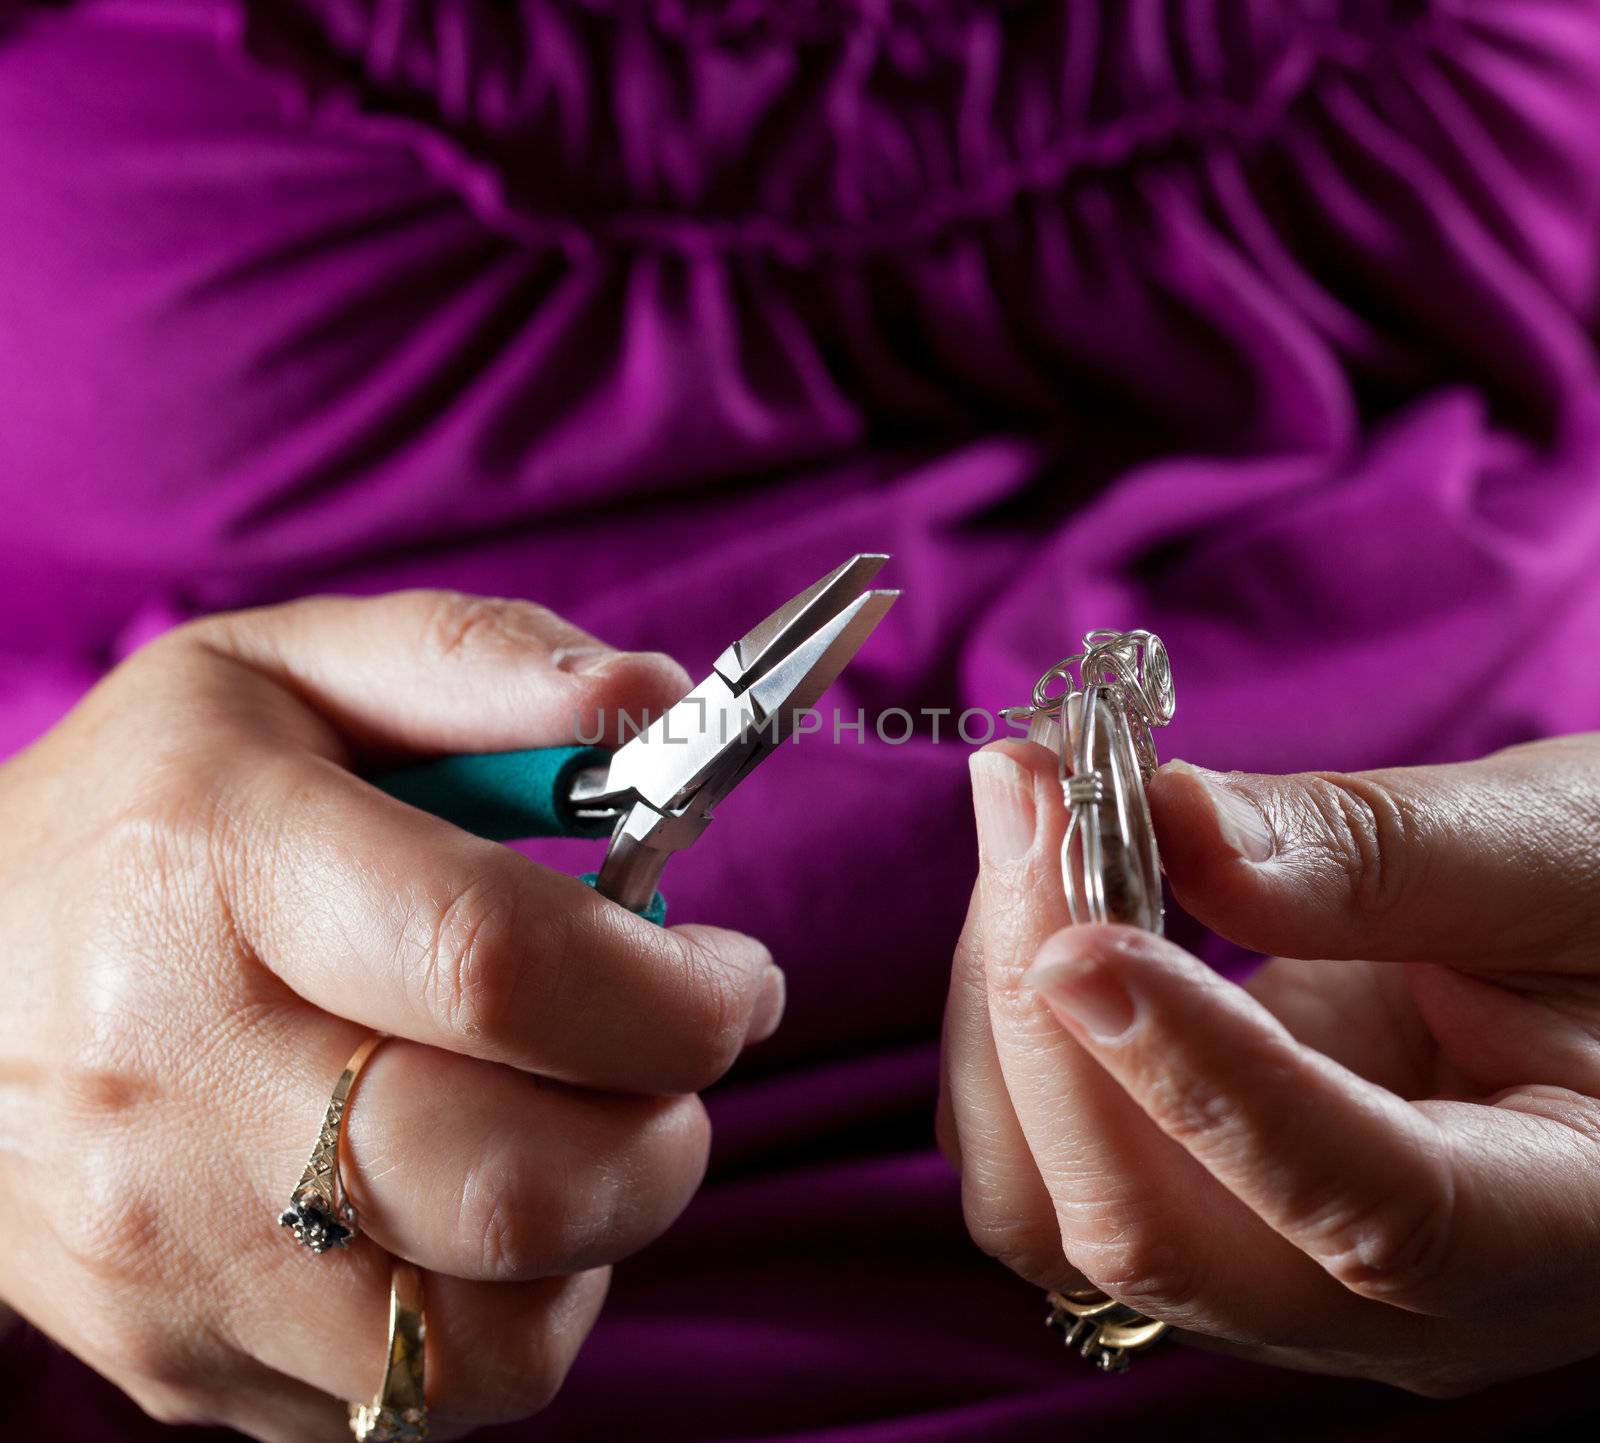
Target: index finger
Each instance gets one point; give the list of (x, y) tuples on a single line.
[(432, 671), (387, 916)]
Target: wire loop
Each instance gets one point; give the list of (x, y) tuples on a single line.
[(1133, 663)]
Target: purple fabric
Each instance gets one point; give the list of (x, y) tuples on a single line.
[(1264, 325)]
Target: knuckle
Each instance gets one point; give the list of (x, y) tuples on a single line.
[(177, 659), (1194, 1109), (715, 1008), (669, 1154), (1370, 831), (469, 977), (506, 1250), (517, 1224), (113, 1235), (458, 626), (1575, 1113), (1139, 1265), (1213, 1119), (1396, 1250), (154, 874), (161, 835), (1029, 1246), (93, 1098)]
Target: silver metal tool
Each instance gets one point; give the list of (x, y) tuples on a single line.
[(661, 787)]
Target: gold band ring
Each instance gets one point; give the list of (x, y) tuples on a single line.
[(399, 1414), (320, 1214), (1103, 1330)]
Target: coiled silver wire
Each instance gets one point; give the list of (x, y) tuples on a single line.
[(1096, 710)]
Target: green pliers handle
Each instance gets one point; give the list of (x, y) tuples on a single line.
[(506, 796)]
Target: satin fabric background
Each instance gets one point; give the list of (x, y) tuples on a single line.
[(1266, 326)]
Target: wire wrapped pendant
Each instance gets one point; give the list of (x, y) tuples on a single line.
[(1096, 710)]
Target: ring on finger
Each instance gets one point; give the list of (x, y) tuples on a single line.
[(399, 1413), (1106, 1332), (320, 1214)]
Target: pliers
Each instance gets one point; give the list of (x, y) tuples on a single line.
[(655, 794)]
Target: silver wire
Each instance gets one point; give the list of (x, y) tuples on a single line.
[(1133, 663), (1129, 672)]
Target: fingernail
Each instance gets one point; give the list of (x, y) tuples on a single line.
[(1088, 995), (1002, 798), (768, 1011), (1239, 820)]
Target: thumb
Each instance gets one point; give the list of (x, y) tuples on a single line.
[(1492, 864)]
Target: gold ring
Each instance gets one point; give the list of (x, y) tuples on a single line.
[(399, 1413), (1103, 1330), (320, 1215)]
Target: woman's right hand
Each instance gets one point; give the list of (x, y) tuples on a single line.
[(204, 911)]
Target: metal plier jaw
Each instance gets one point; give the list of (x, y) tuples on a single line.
[(663, 784)]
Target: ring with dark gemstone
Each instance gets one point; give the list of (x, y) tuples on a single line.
[(314, 1226), (320, 1215)]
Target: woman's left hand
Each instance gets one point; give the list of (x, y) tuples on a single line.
[(1386, 1168)]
